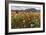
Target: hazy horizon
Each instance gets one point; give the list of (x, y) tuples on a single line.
[(23, 7)]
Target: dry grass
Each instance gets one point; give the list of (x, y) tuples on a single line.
[(25, 20)]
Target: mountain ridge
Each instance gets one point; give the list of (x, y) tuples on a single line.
[(27, 10)]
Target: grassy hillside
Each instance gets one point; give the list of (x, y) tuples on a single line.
[(25, 20)]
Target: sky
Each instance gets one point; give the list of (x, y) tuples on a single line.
[(24, 7)]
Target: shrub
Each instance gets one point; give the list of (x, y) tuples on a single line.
[(24, 20)]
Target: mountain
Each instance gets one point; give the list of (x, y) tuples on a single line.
[(33, 10), (27, 10)]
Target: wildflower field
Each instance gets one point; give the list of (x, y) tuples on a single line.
[(25, 20)]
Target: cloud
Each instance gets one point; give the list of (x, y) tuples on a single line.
[(23, 7)]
